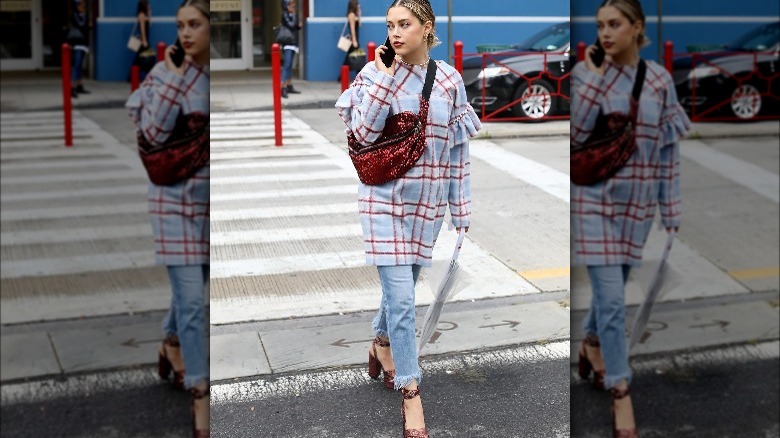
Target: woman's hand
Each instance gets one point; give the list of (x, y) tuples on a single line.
[(675, 229), (169, 62), (354, 43), (589, 61), (381, 65), (466, 230)]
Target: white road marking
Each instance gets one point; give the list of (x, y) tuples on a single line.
[(323, 175), (286, 193), (77, 264), (537, 174), (226, 215), (755, 178), (52, 236), (69, 212)]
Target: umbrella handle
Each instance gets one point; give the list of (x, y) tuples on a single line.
[(458, 244)]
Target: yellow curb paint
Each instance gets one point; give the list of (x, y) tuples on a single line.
[(537, 274), (748, 274)]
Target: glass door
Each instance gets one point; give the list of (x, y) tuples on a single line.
[(20, 30), (231, 35)]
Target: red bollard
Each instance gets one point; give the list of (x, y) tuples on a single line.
[(669, 55), (135, 77), (160, 51), (581, 46), (276, 68), (459, 56), (344, 77), (67, 108), (371, 51)]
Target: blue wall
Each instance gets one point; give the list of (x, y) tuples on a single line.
[(112, 57), (726, 20), (323, 59)]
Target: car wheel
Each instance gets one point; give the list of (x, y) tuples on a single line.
[(535, 99), (746, 101)]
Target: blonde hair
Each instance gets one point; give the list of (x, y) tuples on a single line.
[(632, 10), (201, 5), (424, 12)]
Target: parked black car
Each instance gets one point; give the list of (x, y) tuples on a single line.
[(735, 80), (523, 77)]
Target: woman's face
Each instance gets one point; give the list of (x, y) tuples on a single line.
[(193, 31), (616, 33), (291, 7), (405, 30)]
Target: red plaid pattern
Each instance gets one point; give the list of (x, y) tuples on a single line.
[(180, 212), (611, 219), (401, 218)]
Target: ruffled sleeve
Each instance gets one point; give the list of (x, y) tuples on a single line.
[(464, 125), (155, 105), (365, 105), (674, 125), (464, 122)]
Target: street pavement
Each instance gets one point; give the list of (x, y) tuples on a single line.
[(81, 301)]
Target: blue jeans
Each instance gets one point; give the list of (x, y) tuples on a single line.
[(75, 65), (186, 319), (606, 319), (289, 55), (395, 320)]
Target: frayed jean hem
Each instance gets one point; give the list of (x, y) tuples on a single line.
[(192, 381), (403, 381), (612, 381)]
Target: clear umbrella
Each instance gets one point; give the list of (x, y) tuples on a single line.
[(444, 292), (653, 294)]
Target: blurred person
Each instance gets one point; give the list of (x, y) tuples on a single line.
[(612, 218), (171, 96), (78, 40), (353, 20), (290, 21), (145, 57), (416, 201)]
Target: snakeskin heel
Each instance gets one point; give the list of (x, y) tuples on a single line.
[(409, 394), (617, 394), (374, 366), (585, 367), (164, 365)]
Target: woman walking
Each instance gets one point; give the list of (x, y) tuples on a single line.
[(175, 99), (290, 21), (353, 22), (144, 58), (79, 41), (612, 218), (401, 218)]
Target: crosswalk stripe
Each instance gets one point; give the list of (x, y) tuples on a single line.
[(227, 215), (53, 154), (77, 193), (537, 174), (286, 193), (70, 212), (69, 164), (77, 264), (755, 178), (271, 164), (70, 177), (53, 236), (263, 154), (296, 176), (287, 265), (258, 237)]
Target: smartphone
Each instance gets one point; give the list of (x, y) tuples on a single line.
[(177, 57), (389, 55), (598, 55)]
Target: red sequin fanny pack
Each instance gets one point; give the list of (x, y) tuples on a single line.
[(185, 152), (610, 144), (400, 145)]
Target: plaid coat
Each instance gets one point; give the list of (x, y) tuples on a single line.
[(402, 218), (179, 212), (611, 219)]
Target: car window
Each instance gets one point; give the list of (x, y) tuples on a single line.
[(551, 39), (763, 38)]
